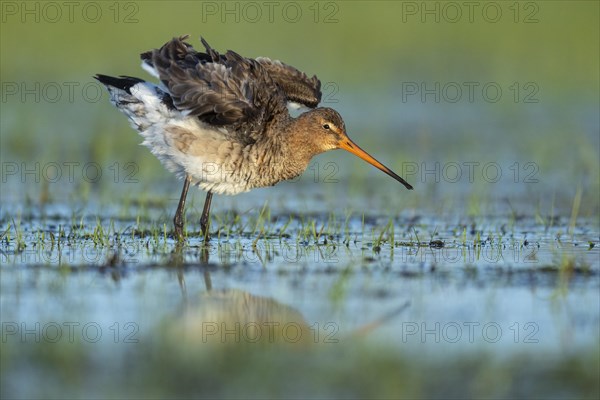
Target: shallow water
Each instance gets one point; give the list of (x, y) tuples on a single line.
[(501, 284)]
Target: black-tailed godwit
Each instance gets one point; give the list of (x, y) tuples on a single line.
[(221, 122)]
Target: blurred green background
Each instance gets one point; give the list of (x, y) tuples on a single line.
[(543, 56)]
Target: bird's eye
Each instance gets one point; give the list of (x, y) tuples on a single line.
[(326, 126)]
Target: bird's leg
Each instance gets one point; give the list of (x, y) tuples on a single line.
[(204, 218), (178, 219)]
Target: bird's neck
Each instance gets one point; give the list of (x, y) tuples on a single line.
[(298, 147), (290, 152)]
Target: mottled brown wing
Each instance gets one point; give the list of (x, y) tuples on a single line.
[(297, 86), (222, 90), (182, 53)]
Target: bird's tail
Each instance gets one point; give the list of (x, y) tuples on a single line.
[(144, 103), (124, 83)]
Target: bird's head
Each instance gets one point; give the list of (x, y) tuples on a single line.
[(326, 131)]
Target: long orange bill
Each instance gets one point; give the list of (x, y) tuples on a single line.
[(353, 148)]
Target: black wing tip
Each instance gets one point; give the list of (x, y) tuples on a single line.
[(105, 79), (122, 82), (146, 56)]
